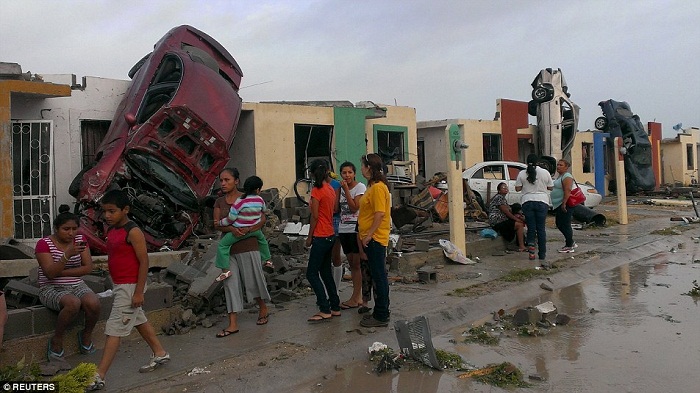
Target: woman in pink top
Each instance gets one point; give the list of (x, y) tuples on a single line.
[(63, 258)]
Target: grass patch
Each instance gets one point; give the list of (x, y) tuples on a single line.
[(478, 334), (449, 360), (670, 231), (524, 275), (695, 291), (504, 375)]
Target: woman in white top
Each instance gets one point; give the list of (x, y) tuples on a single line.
[(351, 192), (535, 184)]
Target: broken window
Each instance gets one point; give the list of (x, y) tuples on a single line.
[(311, 142), (490, 172), (390, 146), (492, 147)]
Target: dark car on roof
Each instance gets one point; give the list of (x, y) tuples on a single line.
[(619, 121), (169, 138)]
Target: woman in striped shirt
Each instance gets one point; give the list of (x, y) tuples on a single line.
[(63, 258)]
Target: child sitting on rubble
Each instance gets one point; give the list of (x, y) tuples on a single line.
[(245, 213)]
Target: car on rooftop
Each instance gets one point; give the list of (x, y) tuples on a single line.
[(619, 121), (169, 139), (483, 178)]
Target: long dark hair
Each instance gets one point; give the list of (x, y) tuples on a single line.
[(250, 185), (231, 171), (319, 172), (532, 168), (64, 215), (375, 165)]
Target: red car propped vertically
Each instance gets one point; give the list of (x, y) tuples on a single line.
[(168, 140)]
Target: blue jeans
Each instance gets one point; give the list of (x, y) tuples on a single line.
[(320, 262), (535, 216), (563, 221), (376, 257)]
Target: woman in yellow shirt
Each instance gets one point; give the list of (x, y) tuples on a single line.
[(374, 224)]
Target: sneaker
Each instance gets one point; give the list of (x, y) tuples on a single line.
[(155, 362), (574, 246), (97, 383), (373, 322), (566, 249)]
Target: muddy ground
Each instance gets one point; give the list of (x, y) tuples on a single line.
[(289, 354)]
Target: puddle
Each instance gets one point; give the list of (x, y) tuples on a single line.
[(642, 336)]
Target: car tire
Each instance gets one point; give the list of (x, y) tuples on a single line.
[(532, 108), (601, 123), (542, 93)]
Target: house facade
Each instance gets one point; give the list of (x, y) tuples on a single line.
[(278, 140), (679, 157), (509, 137)]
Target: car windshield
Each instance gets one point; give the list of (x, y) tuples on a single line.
[(150, 170)]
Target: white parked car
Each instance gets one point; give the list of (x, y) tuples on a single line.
[(482, 174)]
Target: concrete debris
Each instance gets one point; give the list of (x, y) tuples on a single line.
[(197, 371), (543, 315)]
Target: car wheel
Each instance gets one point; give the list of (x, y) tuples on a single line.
[(601, 123), (532, 108), (542, 94)]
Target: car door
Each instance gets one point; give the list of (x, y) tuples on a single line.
[(513, 170)]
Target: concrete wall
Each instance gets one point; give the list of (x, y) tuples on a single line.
[(577, 159), (12, 91), (272, 128), (95, 99), (674, 158)]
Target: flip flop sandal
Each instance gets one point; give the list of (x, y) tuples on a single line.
[(50, 354), (346, 306), (318, 317), (263, 320), (223, 276), (85, 350), (335, 313), (226, 333)]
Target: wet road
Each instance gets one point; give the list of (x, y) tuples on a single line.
[(643, 335)]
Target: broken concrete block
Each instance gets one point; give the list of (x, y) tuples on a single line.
[(97, 284), (158, 296), (297, 246), (44, 319), (19, 323), (190, 275), (526, 316), (287, 281), (562, 319), (422, 245), (427, 274), (546, 287), (19, 294), (206, 286), (284, 295), (280, 263), (548, 311), (292, 228), (303, 212)]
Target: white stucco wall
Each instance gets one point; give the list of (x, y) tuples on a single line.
[(97, 100)]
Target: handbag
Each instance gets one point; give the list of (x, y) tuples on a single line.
[(576, 196)]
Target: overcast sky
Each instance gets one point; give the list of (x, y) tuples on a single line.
[(447, 59)]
